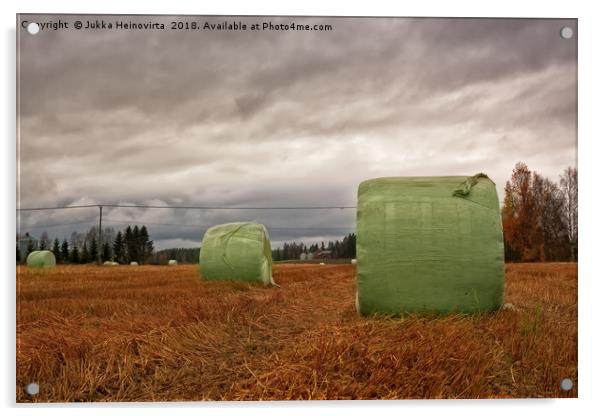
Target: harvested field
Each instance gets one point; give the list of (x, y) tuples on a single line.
[(152, 333)]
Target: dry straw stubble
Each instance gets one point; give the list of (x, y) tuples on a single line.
[(88, 333)]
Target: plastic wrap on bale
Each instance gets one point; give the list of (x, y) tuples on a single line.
[(41, 259), (429, 245), (236, 251)]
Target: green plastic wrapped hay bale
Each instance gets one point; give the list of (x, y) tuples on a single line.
[(41, 258), (429, 245), (237, 251)]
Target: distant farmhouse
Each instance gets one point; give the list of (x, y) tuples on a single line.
[(320, 254), (323, 254)]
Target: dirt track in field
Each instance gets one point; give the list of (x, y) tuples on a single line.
[(158, 333)]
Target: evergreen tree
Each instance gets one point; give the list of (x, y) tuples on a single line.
[(352, 246), (106, 252), (18, 254), (65, 255), (93, 251), (44, 241), (74, 255), (146, 244), (348, 247), (128, 240), (119, 248), (136, 244), (85, 254), (30, 246), (56, 250), (285, 250)]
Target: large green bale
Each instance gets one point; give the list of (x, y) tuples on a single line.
[(41, 258), (236, 251), (429, 245)]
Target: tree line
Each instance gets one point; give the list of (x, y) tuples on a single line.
[(339, 249), (181, 255), (539, 216), (131, 244)]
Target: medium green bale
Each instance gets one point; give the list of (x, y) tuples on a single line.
[(41, 258), (236, 251), (429, 245), (172, 263)]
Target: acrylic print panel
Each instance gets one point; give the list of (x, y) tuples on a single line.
[(137, 134)]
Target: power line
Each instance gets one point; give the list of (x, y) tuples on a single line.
[(227, 207), (50, 208), (110, 220), (208, 207)]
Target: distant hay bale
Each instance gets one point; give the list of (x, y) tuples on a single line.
[(172, 263), (41, 259), (353, 261), (237, 251), (133, 263), (110, 263), (429, 244), (322, 264)]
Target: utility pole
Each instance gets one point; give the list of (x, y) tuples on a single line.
[(99, 251)]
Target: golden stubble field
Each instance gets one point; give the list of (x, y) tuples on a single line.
[(152, 333)]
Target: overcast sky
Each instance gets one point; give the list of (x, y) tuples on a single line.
[(279, 118)]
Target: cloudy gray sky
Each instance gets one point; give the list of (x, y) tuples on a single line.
[(277, 118)]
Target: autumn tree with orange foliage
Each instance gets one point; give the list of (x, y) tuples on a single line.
[(537, 223)]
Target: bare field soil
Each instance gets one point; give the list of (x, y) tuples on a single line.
[(152, 333)]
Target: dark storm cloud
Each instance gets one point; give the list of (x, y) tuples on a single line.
[(284, 118)]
